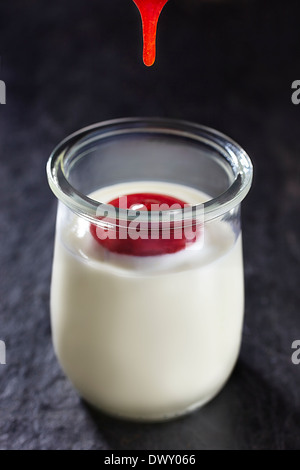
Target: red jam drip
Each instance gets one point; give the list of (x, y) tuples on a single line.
[(110, 239), (150, 11)]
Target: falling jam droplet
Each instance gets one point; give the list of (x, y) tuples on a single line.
[(150, 11)]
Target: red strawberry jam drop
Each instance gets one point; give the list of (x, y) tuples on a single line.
[(150, 11), (147, 240)]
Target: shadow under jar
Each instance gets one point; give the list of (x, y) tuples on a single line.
[(148, 337)]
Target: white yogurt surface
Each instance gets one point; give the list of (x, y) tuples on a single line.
[(146, 337)]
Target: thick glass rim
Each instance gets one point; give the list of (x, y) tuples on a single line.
[(239, 161)]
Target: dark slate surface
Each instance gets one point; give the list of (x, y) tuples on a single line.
[(226, 64)]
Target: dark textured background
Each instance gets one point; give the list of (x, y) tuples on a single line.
[(226, 64)]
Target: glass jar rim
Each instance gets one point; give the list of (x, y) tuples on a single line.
[(87, 207)]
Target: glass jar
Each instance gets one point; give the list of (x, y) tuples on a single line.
[(148, 336)]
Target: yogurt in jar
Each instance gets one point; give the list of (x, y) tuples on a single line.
[(146, 337)]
